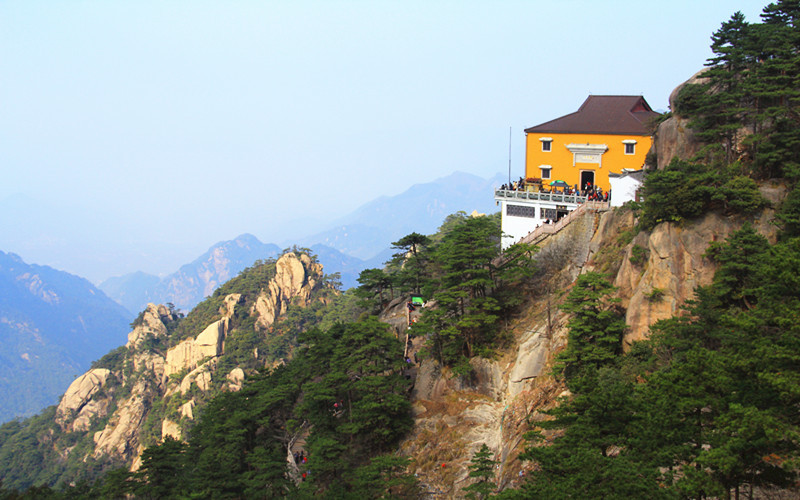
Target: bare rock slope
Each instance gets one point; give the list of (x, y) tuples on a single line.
[(117, 405)]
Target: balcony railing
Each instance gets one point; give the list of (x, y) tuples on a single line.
[(533, 196)]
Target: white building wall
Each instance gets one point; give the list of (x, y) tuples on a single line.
[(623, 189), (515, 228)]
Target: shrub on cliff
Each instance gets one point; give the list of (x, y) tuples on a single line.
[(686, 190)]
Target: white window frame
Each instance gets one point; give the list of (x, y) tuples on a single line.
[(630, 143), (548, 168), (547, 144)]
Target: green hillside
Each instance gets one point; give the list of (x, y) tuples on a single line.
[(706, 407)]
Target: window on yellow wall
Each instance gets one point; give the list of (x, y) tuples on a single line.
[(630, 146), (545, 172), (546, 145)]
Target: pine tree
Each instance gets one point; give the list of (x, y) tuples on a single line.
[(373, 286), (410, 261), (385, 476), (466, 255), (737, 280), (596, 327), (162, 474), (482, 469), (724, 104)]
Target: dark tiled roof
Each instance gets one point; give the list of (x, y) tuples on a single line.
[(603, 114)]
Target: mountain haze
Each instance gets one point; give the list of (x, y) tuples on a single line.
[(52, 326), (420, 208), (197, 280), (358, 241), (650, 350), (192, 282)]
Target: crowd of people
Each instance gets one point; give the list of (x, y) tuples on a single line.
[(592, 193), (595, 193)]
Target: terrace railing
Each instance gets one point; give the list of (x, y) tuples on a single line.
[(534, 196)]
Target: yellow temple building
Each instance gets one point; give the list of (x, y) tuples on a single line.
[(603, 144), (608, 134)]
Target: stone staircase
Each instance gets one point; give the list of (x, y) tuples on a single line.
[(542, 232)]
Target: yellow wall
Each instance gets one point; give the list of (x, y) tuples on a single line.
[(560, 158)]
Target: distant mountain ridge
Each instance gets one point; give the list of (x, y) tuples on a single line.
[(193, 282), (421, 208), (224, 260), (52, 326), (357, 242)]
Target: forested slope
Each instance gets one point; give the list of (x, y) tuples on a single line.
[(700, 402)]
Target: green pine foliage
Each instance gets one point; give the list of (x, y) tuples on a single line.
[(385, 477), (752, 87), (704, 409), (460, 270), (596, 326), (686, 190), (344, 393), (482, 469), (410, 263)]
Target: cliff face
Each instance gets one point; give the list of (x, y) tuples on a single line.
[(674, 138), (152, 392), (507, 395), (295, 279), (454, 417), (655, 274), (675, 266)]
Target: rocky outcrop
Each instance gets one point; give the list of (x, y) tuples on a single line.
[(295, 278), (531, 359), (187, 409), (202, 376), (151, 324), (235, 379), (495, 406), (230, 302), (189, 353), (77, 404), (121, 437), (674, 138), (171, 429), (154, 365), (674, 267), (196, 357)]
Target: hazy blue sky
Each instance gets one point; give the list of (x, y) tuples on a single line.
[(135, 134)]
